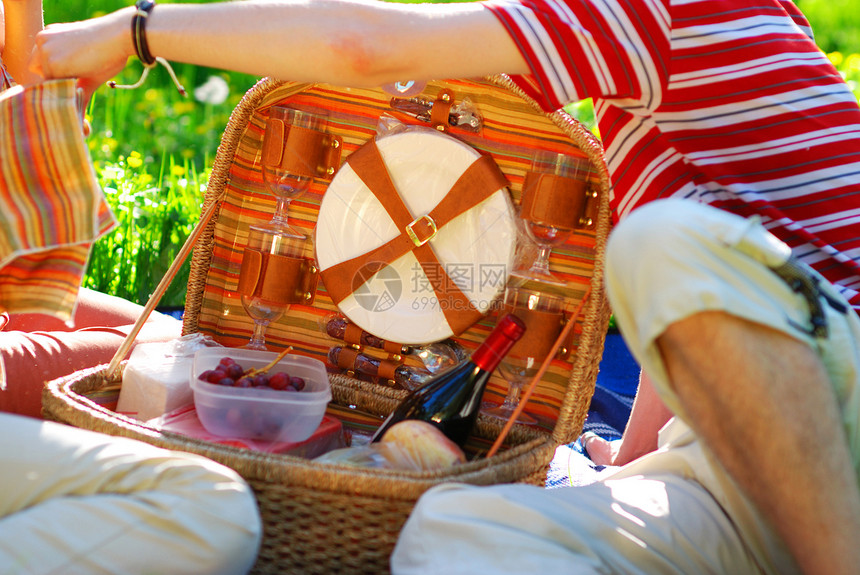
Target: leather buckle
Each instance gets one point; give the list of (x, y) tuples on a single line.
[(410, 231)]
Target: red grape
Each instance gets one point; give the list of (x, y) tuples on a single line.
[(205, 375), (235, 371), (297, 382), (229, 372), (215, 376), (279, 381), (244, 382)]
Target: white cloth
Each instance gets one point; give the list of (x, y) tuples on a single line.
[(672, 511), (78, 502)]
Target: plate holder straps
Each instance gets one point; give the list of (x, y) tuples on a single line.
[(480, 181)]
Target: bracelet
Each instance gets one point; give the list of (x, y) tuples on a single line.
[(138, 31), (141, 48)]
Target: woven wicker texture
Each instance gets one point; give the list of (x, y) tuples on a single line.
[(337, 519)]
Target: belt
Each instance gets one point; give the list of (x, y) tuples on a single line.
[(801, 279)]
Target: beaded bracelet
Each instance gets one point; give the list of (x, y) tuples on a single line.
[(141, 47)]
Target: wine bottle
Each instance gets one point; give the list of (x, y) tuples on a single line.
[(451, 400)]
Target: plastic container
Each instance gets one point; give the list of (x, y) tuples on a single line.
[(253, 413)]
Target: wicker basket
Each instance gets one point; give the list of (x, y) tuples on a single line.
[(322, 518)]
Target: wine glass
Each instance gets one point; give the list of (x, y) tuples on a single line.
[(543, 314), (553, 203), (290, 159), (275, 274)]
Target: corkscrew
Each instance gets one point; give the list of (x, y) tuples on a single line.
[(461, 115)]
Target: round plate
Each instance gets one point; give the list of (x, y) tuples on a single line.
[(476, 248)]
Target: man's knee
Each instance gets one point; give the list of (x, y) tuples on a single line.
[(652, 231)]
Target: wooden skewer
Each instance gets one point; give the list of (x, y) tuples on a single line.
[(533, 383), (160, 289)]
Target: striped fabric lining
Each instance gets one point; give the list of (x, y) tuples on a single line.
[(512, 131), (51, 207)]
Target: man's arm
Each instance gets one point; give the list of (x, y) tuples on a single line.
[(348, 42), (23, 22)]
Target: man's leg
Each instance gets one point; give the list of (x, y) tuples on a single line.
[(647, 416), (662, 524), (92, 309), (78, 502), (35, 348)]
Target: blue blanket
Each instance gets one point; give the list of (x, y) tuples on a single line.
[(607, 415)]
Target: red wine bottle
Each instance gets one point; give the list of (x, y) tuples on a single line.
[(451, 400)]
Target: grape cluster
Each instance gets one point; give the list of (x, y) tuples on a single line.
[(231, 374)]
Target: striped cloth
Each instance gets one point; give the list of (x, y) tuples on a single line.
[(728, 102), (51, 207)]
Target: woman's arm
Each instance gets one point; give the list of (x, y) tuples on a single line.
[(348, 42), (647, 416), (23, 22)]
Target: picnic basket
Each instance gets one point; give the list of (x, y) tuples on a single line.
[(324, 518)]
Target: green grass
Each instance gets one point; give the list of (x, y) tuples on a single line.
[(834, 23), (153, 149)]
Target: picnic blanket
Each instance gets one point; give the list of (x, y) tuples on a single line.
[(607, 415)]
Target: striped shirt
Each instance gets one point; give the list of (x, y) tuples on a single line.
[(728, 102)]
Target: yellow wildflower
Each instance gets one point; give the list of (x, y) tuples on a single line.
[(835, 58)]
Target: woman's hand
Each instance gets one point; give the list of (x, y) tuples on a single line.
[(92, 50)]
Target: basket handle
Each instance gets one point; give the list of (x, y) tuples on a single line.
[(123, 350)]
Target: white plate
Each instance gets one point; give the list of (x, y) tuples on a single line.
[(476, 248)]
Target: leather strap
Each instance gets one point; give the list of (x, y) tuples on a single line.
[(143, 8), (592, 206), (388, 369), (346, 358), (480, 180), (554, 200), (542, 329), (441, 110), (352, 334), (392, 347), (277, 278), (302, 151)]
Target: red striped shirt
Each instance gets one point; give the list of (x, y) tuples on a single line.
[(728, 102)]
